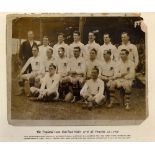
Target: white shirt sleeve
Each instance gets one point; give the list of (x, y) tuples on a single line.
[(84, 89), (26, 65), (44, 81)]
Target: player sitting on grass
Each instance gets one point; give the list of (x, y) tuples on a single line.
[(49, 86), (107, 73), (37, 70), (76, 71), (92, 91), (124, 76)]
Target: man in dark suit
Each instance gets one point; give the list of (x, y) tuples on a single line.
[(26, 48)]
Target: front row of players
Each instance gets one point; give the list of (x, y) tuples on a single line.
[(74, 79)]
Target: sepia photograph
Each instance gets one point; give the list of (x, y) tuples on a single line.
[(76, 69)]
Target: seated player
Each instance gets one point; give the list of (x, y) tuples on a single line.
[(124, 76), (46, 63), (37, 70), (62, 69), (49, 86), (92, 62), (48, 59), (92, 91), (107, 73), (76, 71)]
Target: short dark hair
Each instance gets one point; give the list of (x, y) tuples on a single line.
[(50, 49), (96, 68), (76, 32), (126, 51), (92, 33), (125, 33), (62, 48), (93, 49), (61, 34), (52, 65), (35, 46), (107, 34), (77, 47)]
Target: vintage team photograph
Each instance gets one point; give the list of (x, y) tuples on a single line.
[(76, 69)]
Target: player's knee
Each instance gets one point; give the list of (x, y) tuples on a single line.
[(33, 90), (100, 99), (68, 97)]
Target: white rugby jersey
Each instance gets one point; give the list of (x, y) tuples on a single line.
[(42, 51), (114, 52), (93, 87), (133, 52), (36, 64), (47, 63), (127, 68), (90, 46), (62, 65), (57, 46), (90, 65), (50, 82), (107, 68), (77, 65), (71, 49)]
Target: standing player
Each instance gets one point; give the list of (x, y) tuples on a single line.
[(76, 71), (91, 63), (37, 70), (43, 48), (59, 44), (109, 46), (93, 89), (92, 44), (107, 73), (133, 52), (124, 76), (49, 86), (76, 43)]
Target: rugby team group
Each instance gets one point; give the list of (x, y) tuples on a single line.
[(89, 74)]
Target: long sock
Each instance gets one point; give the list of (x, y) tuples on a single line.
[(127, 98), (112, 96)]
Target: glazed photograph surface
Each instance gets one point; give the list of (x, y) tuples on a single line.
[(78, 68)]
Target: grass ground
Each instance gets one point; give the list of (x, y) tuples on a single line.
[(24, 109)]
